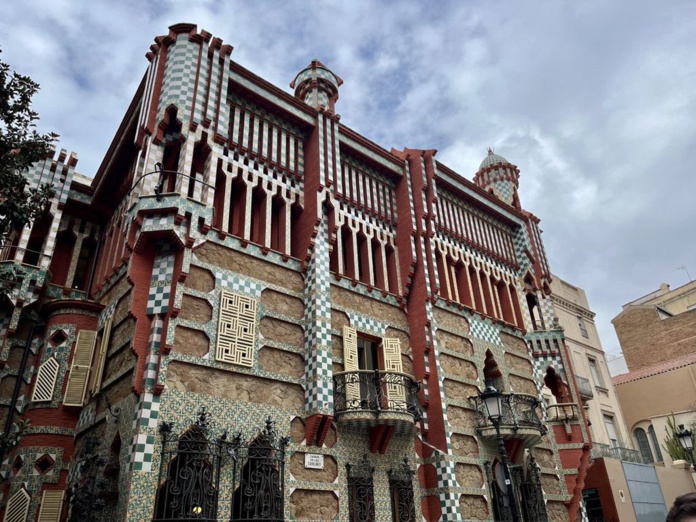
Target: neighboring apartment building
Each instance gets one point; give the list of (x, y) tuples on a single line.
[(260, 314), (657, 334), (572, 309), (618, 485)]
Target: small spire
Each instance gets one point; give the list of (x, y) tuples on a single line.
[(490, 151)]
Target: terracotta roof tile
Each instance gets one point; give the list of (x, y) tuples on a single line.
[(655, 369)]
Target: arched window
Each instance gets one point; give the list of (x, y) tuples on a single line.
[(643, 445), (655, 444)]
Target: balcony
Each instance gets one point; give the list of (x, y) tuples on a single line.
[(522, 419), (584, 388), (615, 452), (562, 412), (369, 398)]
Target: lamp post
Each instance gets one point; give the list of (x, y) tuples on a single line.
[(686, 441), (493, 402)]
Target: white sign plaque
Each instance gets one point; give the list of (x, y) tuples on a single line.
[(313, 461)]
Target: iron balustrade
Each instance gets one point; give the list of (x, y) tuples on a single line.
[(520, 410), (166, 179), (32, 258), (584, 388), (377, 392), (564, 411), (615, 452)]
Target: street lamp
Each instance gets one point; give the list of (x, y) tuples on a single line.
[(686, 441), (493, 402)]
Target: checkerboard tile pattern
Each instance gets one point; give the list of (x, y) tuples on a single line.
[(239, 285), (143, 453), (485, 330), (319, 358), (148, 413), (160, 283)]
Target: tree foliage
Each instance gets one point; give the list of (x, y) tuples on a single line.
[(21, 145), (671, 442)]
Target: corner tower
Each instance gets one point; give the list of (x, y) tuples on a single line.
[(499, 177), (317, 86)]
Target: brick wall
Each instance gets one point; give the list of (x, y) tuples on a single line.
[(647, 340)]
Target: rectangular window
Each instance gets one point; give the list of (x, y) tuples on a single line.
[(611, 431), (583, 327), (364, 356), (596, 373)]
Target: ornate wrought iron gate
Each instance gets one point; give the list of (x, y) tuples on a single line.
[(528, 493), (191, 466), (361, 496)]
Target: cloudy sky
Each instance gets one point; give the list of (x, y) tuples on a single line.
[(595, 101)]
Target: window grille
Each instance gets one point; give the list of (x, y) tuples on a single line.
[(361, 496), (401, 492)]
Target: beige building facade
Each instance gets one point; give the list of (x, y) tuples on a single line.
[(657, 333), (571, 307)]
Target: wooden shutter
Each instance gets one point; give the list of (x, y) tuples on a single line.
[(79, 371), (45, 380), (396, 391), (350, 364), (51, 506), (18, 507), (101, 358), (236, 336)]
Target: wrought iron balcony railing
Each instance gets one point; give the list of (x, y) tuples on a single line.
[(584, 388), (520, 411), (565, 411), (378, 392), (615, 452)]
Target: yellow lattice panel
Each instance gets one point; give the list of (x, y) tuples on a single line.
[(236, 336), (350, 362), (51, 506), (46, 380), (79, 371), (18, 507), (396, 393), (101, 361)]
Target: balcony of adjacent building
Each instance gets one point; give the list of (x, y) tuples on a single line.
[(615, 452), (521, 419), (370, 398), (584, 388)]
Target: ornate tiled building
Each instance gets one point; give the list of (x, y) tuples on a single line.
[(253, 312)]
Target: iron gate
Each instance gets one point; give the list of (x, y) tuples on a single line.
[(191, 466)]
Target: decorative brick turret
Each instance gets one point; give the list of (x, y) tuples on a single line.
[(317, 86), (499, 177)]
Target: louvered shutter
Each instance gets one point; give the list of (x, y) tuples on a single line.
[(51, 506), (79, 371), (350, 364), (18, 507), (45, 380), (396, 391), (101, 358)]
